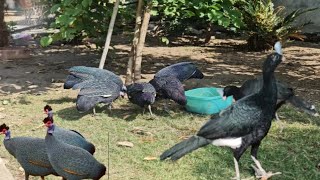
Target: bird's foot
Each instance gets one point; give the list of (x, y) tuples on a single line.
[(238, 178), (262, 174)]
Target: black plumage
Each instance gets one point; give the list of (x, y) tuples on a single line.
[(30, 152), (142, 94), (71, 162), (243, 124), (285, 94), (169, 87), (96, 86), (182, 71)]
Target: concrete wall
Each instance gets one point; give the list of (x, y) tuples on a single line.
[(314, 16)]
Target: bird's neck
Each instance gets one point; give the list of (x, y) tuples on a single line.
[(269, 88), (51, 129), (8, 135)]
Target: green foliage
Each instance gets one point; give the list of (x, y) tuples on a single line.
[(265, 24), (78, 19), (180, 14)]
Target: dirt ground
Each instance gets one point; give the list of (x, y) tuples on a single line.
[(223, 62)]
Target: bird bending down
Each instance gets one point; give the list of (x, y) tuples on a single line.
[(96, 86), (142, 94), (169, 87), (243, 124)]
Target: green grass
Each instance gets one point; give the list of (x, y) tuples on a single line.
[(295, 152)]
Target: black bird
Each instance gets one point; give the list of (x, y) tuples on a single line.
[(182, 71), (96, 86), (285, 94), (142, 94), (169, 87), (71, 162), (31, 153), (243, 124)]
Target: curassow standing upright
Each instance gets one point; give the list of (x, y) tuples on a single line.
[(285, 94), (243, 124), (142, 94), (31, 153), (96, 86), (71, 162)]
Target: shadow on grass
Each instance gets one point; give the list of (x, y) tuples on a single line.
[(60, 101)]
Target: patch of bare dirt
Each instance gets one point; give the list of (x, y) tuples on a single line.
[(222, 61)]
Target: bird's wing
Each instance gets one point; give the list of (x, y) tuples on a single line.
[(182, 71), (238, 120), (86, 73), (284, 91), (103, 90)]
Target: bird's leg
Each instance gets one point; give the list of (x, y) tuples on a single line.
[(42, 177), (236, 166), (94, 111), (26, 176), (258, 165), (166, 108), (110, 108), (259, 171), (149, 107), (144, 109), (277, 117)]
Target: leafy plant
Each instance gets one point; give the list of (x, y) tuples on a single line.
[(78, 19), (179, 15), (265, 24)]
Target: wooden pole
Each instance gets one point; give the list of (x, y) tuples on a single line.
[(132, 54), (108, 39), (143, 34)]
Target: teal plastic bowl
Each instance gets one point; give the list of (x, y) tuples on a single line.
[(206, 100)]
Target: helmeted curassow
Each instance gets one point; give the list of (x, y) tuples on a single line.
[(142, 94), (285, 94), (243, 124), (30, 152), (71, 162), (96, 86)]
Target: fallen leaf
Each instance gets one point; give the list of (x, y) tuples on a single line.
[(125, 143), (150, 158), (33, 86), (5, 102)]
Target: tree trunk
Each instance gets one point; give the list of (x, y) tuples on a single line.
[(132, 54), (3, 28), (108, 39), (143, 34), (208, 33)]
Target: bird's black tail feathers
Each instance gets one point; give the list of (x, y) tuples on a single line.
[(184, 147), (303, 105), (197, 74)]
